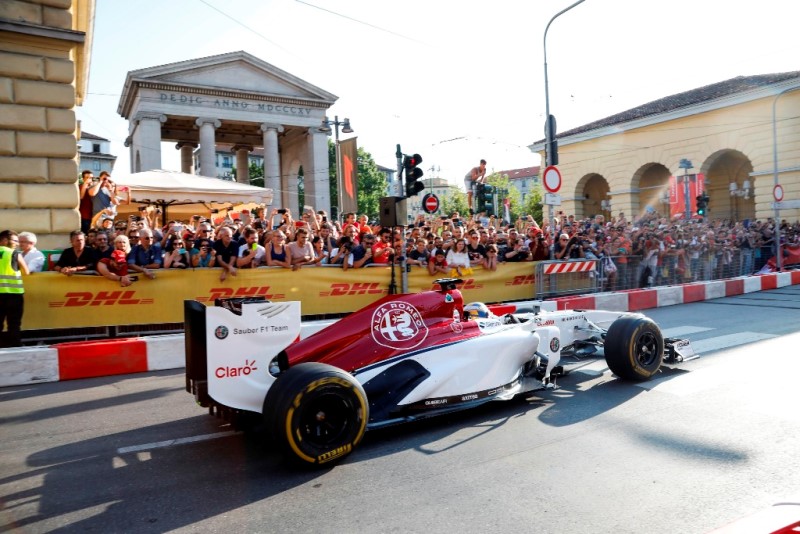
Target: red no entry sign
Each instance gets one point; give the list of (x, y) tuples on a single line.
[(430, 203), (551, 179)]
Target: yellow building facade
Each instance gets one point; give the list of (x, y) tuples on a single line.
[(45, 50), (725, 130)]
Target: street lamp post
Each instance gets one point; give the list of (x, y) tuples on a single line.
[(326, 128), (778, 253), (685, 164), (550, 122)]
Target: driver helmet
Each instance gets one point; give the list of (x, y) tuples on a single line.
[(474, 310)]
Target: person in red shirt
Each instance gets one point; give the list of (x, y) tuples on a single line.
[(382, 251), (86, 201)]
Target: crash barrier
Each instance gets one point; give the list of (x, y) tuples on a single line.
[(55, 301), (566, 277), (72, 361), (657, 297), (66, 361)]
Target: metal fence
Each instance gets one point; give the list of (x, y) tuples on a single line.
[(571, 277)]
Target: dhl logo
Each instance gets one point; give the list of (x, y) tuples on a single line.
[(526, 280), (469, 283), (341, 290), (229, 292), (101, 298)]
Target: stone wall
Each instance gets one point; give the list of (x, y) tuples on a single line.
[(39, 44)]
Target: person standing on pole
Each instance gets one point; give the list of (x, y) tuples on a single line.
[(475, 176), (12, 267)]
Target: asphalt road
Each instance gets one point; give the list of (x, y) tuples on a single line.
[(693, 450)]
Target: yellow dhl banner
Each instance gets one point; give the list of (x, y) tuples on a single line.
[(53, 300)]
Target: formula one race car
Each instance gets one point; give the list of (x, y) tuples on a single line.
[(401, 358)]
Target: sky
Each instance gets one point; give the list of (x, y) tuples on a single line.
[(454, 81)]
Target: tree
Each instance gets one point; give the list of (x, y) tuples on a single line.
[(533, 206), (256, 174), (504, 190), (454, 200), (372, 183)]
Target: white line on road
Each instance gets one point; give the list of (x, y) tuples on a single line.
[(171, 442), (680, 331), (728, 341)]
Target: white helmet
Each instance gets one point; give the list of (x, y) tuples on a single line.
[(474, 310)]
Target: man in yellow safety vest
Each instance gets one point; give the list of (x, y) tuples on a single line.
[(12, 267)]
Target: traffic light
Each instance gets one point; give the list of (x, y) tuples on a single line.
[(413, 173), (702, 205), (485, 198)]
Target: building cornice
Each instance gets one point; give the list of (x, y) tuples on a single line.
[(684, 112), (38, 30), (137, 85)]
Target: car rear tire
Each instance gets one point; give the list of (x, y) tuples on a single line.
[(316, 412), (634, 348)]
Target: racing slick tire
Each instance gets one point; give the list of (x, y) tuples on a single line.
[(634, 348), (317, 413)]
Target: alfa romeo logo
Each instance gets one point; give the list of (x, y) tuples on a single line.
[(398, 325), (221, 332), (555, 344)]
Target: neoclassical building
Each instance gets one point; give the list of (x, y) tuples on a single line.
[(238, 100), (631, 160)]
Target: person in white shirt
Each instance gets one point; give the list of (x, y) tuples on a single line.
[(251, 254), (458, 259), (34, 259)]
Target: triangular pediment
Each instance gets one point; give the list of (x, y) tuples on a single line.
[(235, 71)]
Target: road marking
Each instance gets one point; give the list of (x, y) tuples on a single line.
[(171, 442), (727, 341), (680, 331)]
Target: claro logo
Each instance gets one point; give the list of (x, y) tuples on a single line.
[(228, 292), (233, 372), (101, 298), (527, 280), (340, 290)]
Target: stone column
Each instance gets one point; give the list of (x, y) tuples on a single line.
[(317, 175), (272, 162), (187, 155), (242, 163), (208, 146), (147, 140)]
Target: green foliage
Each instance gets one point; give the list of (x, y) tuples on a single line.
[(455, 200), (372, 183), (533, 206), (256, 173)]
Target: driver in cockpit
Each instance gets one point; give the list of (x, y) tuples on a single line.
[(477, 310)]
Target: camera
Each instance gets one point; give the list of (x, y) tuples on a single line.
[(282, 211)]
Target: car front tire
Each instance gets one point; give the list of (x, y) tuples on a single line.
[(634, 348)]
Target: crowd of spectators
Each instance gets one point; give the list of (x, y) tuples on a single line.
[(645, 251)]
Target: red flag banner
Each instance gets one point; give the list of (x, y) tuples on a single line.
[(348, 181)]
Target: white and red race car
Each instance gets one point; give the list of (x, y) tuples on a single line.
[(401, 358)]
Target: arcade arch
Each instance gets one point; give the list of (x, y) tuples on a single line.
[(652, 182), (593, 189), (729, 186)]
